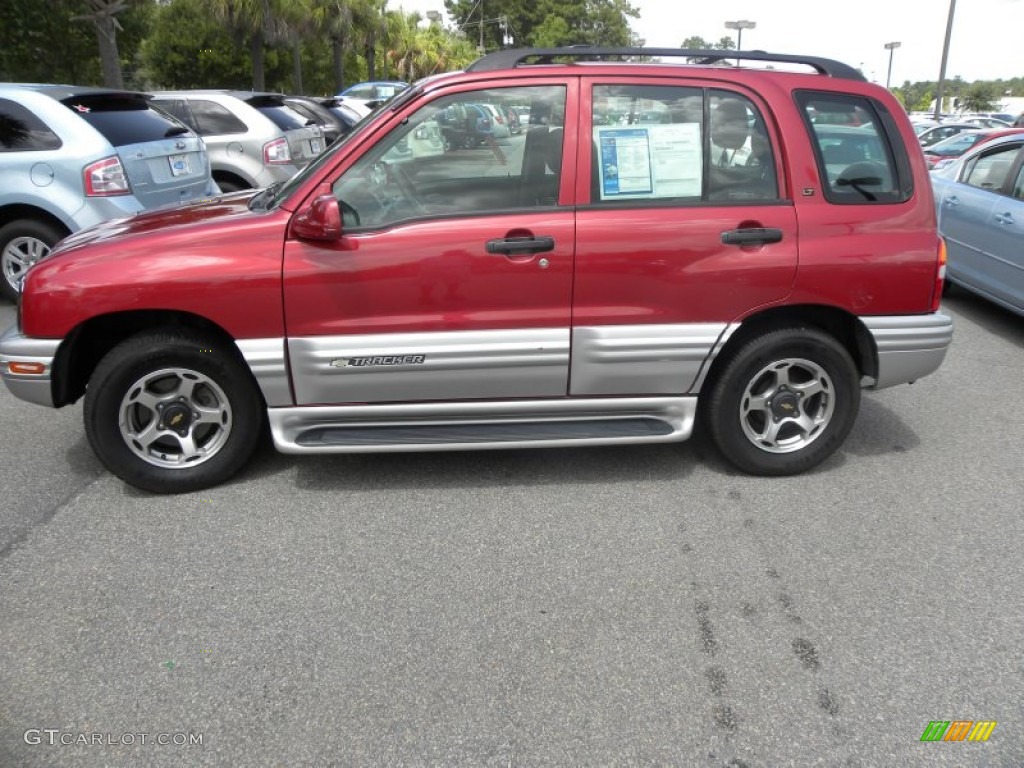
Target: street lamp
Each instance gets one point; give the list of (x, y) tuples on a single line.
[(739, 26), (890, 47)]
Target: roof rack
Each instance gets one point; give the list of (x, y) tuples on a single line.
[(512, 58)]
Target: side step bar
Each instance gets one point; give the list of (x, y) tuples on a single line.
[(478, 425)]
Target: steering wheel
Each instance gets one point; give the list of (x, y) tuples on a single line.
[(401, 179)]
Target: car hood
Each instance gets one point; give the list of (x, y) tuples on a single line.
[(222, 209)]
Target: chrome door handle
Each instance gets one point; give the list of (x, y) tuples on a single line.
[(1004, 218), (952, 201)]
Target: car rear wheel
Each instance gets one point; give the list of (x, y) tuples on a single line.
[(785, 401), (22, 244), (169, 412)]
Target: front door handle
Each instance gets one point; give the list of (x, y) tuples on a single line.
[(952, 201), (516, 246), (752, 236), (1004, 218)]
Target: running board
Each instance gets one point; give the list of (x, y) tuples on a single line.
[(477, 425)]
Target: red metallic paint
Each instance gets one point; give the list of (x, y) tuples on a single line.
[(216, 260)]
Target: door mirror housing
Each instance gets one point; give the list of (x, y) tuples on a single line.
[(320, 220)]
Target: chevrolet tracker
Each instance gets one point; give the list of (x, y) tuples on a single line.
[(665, 243)]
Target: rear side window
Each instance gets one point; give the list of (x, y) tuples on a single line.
[(21, 131), (212, 119), (124, 119), (991, 169), (678, 144), (860, 157), (284, 117)]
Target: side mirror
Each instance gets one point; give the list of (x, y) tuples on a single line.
[(320, 220)]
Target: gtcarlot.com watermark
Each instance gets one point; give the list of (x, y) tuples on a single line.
[(55, 737)]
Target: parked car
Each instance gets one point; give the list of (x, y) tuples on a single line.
[(349, 113), (551, 296), (499, 128), (988, 122), (942, 131), (464, 126), (253, 138), (979, 201), (317, 114), (945, 152), (374, 93), (71, 157)]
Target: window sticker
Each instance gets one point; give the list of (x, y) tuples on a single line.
[(655, 161)]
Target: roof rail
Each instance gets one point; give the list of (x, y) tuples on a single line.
[(511, 58)]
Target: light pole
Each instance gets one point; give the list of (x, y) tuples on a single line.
[(945, 56), (891, 47), (739, 26)]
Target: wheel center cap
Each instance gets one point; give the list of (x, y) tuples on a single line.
[(177, 417), (785, 405)]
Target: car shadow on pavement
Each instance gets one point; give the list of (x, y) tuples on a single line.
[(467, 469), (993, 318), (879, 431)]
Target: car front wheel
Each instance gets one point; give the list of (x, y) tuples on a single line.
[(170, 413), (22, 244), (785, 401)]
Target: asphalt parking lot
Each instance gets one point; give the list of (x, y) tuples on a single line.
[(617, 606)]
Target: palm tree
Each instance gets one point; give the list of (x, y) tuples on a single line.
[(254, 21), (343, 22), (103, 16)]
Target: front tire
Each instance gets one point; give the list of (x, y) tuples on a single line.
[(22, 244), (785, 401), (170, 412)]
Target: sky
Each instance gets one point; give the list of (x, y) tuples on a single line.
[(986, 42)]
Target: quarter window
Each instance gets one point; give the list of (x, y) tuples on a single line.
[(214, 120), (460, 155), (21, 131), (855, 157)]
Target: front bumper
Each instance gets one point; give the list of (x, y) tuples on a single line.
[(21, 351), (909, 346)]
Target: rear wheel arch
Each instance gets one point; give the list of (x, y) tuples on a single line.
[(230, 182), (86, 345), (841, 325)]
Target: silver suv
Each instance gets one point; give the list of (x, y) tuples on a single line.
[(254, 139), (72, 157)]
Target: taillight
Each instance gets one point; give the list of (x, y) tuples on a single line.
[(276, 152), (940, 275), (106, 178)]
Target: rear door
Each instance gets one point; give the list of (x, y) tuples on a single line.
[(453, 279), (685, 231), (981, 215), (165, 161)]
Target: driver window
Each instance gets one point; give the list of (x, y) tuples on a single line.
[(490, 150)]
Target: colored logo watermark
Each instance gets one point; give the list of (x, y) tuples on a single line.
[(958, 730)]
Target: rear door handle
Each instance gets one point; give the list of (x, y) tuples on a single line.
[(752, 236), (1004, 218), (514, 246), (952, 201)]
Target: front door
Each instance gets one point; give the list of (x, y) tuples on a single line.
[(453, 278)]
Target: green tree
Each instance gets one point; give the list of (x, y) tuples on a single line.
[(187, 48), (979, 97), (545, 22)]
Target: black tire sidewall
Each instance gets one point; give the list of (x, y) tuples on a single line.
[(126, 364), (45, 231), (723, 413)]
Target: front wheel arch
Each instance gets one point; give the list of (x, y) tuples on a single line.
[(83, 348)]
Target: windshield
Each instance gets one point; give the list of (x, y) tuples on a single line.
[(956, 145)]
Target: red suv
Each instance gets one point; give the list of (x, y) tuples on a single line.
[(662, 242)]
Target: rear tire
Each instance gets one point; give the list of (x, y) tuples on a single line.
[(172, 412), (784, 402), (22, 244)]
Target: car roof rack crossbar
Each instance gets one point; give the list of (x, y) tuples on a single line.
[(514, 57)]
